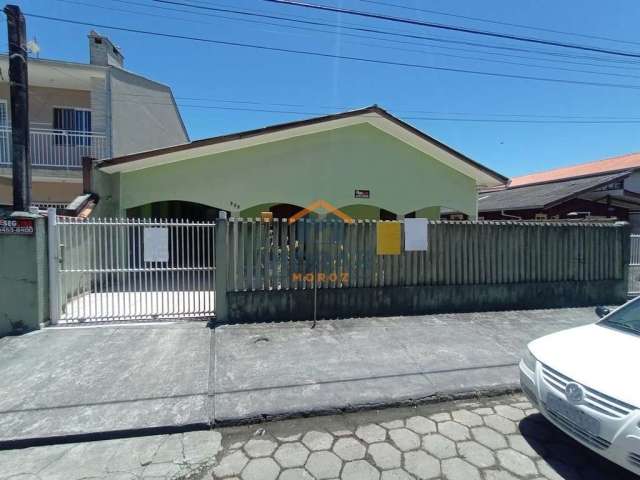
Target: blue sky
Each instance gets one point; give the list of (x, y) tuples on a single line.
[(218, 86)]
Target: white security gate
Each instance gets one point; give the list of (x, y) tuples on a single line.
[(130, 269)]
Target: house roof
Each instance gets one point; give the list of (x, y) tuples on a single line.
[(373, 115), (598, 167), (543, 195)]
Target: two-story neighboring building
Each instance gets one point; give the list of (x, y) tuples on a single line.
[(97, 109)]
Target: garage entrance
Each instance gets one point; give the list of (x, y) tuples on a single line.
[(130, 269)]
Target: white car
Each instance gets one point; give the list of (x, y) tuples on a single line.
[(586, 381)]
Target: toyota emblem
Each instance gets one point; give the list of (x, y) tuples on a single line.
[(574, 392)]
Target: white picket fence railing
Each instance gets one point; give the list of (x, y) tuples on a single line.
[(277, 255), (57, 148)]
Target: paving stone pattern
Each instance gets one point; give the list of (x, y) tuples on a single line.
[(489, 439), (501, 438)]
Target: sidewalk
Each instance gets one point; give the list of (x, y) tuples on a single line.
[(89, 383), (285, 369)]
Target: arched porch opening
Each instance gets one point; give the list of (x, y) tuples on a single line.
[(278, 210), (360, 211), (288, 210), (175, 209)]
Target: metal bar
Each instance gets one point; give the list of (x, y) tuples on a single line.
[(54, 266)]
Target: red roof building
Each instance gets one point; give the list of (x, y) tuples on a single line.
[(606, 189)]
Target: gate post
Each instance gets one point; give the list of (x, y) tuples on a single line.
[(221, 256), (54, 266)]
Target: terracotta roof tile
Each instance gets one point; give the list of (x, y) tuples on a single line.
[(613, 164)]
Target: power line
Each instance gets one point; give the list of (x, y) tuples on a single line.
[(395, 108), (497, 22), (453, 28), (340, 57), (439, 119), (527, 65), (383, 32), (367, 30)]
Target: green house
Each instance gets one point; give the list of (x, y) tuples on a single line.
[(366, 162)]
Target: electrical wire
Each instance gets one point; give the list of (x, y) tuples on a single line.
[(453, 28), (403, 117), (476, 58), (339, 57), (362, 28), (497, 22)]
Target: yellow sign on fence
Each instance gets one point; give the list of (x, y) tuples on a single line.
[(388, 238)]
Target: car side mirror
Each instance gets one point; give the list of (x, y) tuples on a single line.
[(602, 311)]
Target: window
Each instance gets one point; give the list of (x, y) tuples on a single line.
[(541, 216), (75, 125), (4, 114)]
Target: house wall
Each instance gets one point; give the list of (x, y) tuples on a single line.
[(43, 99), (327, 165), (143, 114), (42, 192), (632, 182)]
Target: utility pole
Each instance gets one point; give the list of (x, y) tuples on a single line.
[(21, 160)]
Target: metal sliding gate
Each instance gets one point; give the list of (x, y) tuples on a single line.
[(130, 269)]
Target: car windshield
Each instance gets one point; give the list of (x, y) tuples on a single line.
[(626, 318)]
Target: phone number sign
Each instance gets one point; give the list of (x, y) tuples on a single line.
[(19, 226)]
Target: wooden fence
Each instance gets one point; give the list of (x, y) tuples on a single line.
[(276, 255)]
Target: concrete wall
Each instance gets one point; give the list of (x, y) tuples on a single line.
[(328, 165), (143, 114), (100, 108), (264, 306), (24, 280), (108, 187)]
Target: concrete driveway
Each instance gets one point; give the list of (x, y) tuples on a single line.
[(75, 381), (115, 380)]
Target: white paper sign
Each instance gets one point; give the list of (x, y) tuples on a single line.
[(416, 234), (156, 244)]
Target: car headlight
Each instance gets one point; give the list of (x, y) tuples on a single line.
[(529, 360)]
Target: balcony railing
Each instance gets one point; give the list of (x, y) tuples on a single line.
[(56, 148)]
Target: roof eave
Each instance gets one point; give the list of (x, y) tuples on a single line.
[(489, 177), (560, 200)]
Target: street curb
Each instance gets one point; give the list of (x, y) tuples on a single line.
[(99, 436), (439, 397)]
